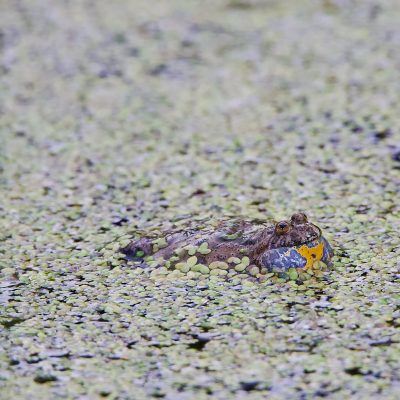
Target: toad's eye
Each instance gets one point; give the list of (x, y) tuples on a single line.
[(282, 227), (298, 218)]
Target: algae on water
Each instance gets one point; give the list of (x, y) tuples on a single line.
[(120, 117)]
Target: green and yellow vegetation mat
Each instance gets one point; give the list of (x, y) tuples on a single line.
[(125, 116)]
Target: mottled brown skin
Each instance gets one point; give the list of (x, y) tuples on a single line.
[(249, 240)]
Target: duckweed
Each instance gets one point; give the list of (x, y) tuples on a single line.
[(118, 118)]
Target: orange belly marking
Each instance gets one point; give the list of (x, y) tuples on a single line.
[(311, 254)]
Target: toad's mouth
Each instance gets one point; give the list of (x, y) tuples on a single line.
[(301, 256)]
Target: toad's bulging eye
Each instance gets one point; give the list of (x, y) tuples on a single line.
[(298, 219), (282, 227)]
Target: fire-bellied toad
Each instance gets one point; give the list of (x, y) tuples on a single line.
[(295, 243)]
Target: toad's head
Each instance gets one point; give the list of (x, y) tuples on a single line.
[(296, 244)]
